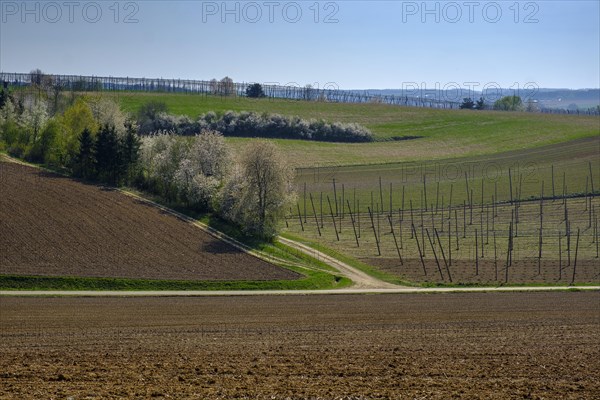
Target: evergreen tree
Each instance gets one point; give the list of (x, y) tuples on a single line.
[(4, 97), (255, 90), (467, 104), (84, 165), (480, 104), (130, 146), (109, 161)]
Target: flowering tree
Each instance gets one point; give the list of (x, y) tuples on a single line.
[(258, 192)]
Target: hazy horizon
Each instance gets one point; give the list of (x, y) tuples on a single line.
[(353, 45)]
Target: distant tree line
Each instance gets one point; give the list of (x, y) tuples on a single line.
[(154, 118)]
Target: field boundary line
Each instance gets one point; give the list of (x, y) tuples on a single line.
[(347, 291)]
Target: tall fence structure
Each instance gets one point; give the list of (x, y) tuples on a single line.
[(214, 87)]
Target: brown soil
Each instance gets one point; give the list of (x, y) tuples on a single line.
[(52, 225), (521, 271), (443, 346)]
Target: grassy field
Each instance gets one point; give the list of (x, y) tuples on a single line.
[(570, 162), (444, 133), (312, 280), (461, 157)]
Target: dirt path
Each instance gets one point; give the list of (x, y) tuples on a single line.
[(361, 280)]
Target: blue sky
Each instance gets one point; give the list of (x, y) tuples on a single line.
[(349, 44)]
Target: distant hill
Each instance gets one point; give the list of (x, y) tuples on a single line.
[(545, 97)]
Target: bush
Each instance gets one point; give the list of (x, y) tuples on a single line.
[(251, 124)]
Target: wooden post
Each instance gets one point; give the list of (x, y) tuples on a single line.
[(380, 195), (432, 221), (300, 217), (575, 261), (424, 194), (494, 214), (333, 219), (335, 199), (541, 237), (482, 181), (456, 228), (391, 199), (510, 185), (422, 231), (358, 215), (589, 213), (564, 186), (482, 245), (495, 198), (378, 226), (315, 213), (437, 196), (487, 224), (353, 226), (374, 231), (418, 248), (568, 244), (450, 242), (400, 227), (591, 177), (471, 209), (467, 185), (476, 255), (321, 208), (442, 217), (495, 259), (412, 221), (508, 252), (304, 202), (402, 216), (596, 225), (520, 195), (435, 255), (481, 232), (559, 256), (443, 254), (464, 219), (516, 213), (342, 205), (553, 192), (450, 200), (395, 241)]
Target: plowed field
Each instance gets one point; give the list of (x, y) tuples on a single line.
[(443, 346), (54, 226)]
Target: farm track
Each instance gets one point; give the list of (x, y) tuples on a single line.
[(361, 280), (461, 346)]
